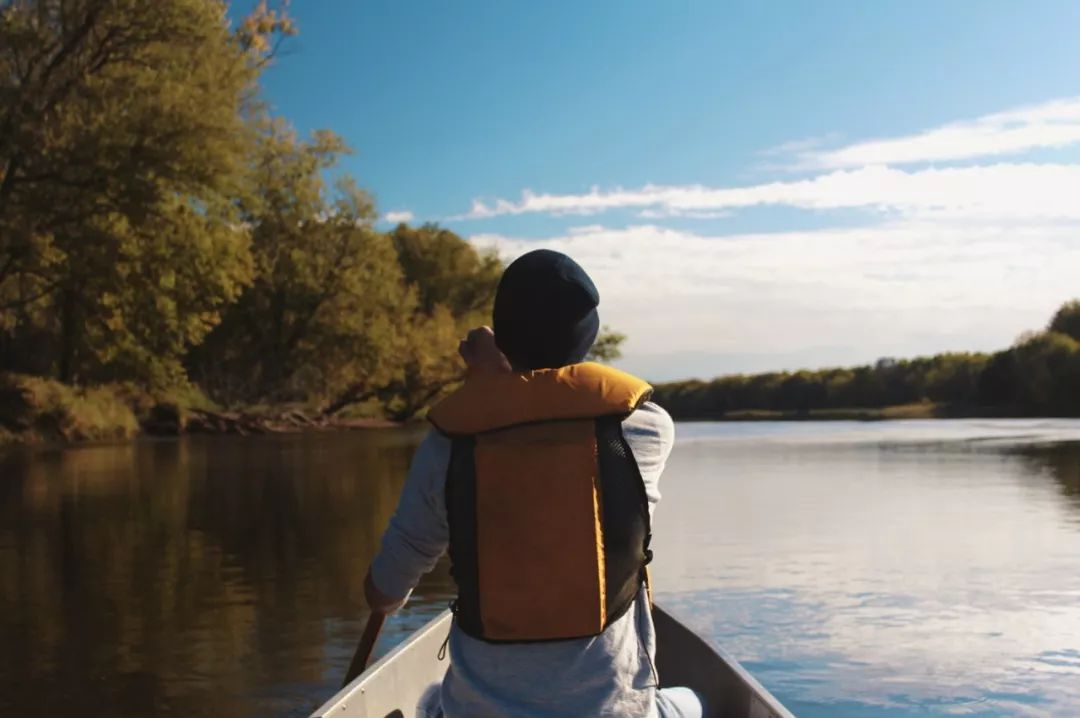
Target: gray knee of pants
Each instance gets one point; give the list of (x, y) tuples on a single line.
[(679, 703)]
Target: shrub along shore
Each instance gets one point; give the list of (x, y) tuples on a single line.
[(44, 411)]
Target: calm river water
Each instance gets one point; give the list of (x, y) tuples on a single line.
[(886, 569)]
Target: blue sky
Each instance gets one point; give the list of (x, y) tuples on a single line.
[(753, 185)]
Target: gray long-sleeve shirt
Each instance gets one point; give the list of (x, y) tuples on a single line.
[(607, 675)]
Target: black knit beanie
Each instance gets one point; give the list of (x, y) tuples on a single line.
[(545, 311)]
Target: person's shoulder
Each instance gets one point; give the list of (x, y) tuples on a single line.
[(650, 433), (652, 412), (651, 418)]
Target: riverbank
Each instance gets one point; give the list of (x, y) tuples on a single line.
[(921, 410), (42, 411), (34, 410)]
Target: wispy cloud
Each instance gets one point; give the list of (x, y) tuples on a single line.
[(689, 214), (871, 174), (398, 216), (796, 147), (1047, 125), (1003, 191)]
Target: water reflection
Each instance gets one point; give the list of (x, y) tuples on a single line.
[(1061, 462), (922, 568), (206, 577)]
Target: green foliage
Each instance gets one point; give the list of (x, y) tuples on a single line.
[(46, 409), (454, 286), (320, 313), (1067, 320), (607, 347), (123, 150), (428, 363), (948, 378), (1038, 376), (447, 271), (1046, 375), (337, 313)]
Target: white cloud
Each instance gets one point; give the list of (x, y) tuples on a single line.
[(689, 214), (835, 296), (1048, 125), (796, 147), (398, 216), (586, 229), (1002, 191), (866, 175)]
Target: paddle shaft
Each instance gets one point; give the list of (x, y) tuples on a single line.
[(365, 647)]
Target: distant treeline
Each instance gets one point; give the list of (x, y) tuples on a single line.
[(1039, 375), (162, 232)]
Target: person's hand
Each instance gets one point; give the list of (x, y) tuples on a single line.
[(378, 601), (481, 354)]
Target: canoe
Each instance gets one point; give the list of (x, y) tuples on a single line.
[(407, 679)]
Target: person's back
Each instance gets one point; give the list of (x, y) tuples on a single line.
[(540, 479)]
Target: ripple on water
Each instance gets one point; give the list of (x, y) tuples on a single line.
[(916, 569)]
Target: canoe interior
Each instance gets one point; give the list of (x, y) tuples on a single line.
[(406, 680), (399, 683), (684, 658)]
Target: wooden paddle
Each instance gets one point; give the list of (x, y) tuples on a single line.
[(365, 647)]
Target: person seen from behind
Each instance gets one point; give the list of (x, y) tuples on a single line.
[(539, 477)]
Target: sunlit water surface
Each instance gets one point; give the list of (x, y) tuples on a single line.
[(885, 569)]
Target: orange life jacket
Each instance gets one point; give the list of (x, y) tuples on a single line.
[(549, 521)]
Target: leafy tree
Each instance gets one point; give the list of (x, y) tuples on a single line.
[(428, 364), (1067, 320), (997, 383), (801, 391), (954, 378), (607, 347), (455, 287), (1047, 373), (123, 145), (321, 314), (448, 271)]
